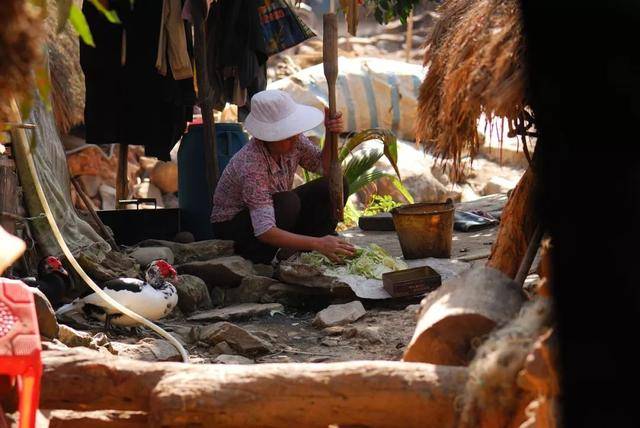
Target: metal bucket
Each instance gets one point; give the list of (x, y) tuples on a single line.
[(425, 229)]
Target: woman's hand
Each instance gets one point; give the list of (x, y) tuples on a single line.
[(334, 248), (333, 124)]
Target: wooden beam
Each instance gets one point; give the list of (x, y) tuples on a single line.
[(198, 12), (362, 393), (122, 180)]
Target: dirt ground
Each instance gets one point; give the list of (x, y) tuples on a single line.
[(382, 334)]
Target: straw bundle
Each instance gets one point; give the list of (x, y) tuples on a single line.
[(20, 30), (475, 56), (67, 79)]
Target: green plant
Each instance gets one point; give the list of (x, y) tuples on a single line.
[(380, 204), (359, 168)]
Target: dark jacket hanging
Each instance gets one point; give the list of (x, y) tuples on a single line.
[(133, 103)]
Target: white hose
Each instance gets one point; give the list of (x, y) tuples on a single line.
[(23, 142)]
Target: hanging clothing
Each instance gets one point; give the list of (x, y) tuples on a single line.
[(131, 102), (235, 42), (172, 43)]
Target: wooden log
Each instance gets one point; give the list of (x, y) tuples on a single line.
[(363, 393), (516, 227), (97, 419), (461, 310)]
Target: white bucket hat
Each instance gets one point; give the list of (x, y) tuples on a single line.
[(275, 116)]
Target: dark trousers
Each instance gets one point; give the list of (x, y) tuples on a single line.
[(304, 210)]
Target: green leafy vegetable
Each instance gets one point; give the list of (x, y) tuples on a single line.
[(370, 262)]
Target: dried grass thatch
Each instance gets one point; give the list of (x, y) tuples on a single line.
[(20, 37), (475, 56), (67, 79)]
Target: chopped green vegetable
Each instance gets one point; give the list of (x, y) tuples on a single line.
[(369, 262)]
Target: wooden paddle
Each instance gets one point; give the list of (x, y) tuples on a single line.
[(330, 60)]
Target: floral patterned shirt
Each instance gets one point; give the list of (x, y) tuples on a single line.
[(253, 176)]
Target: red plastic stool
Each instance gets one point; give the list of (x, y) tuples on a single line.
[(20, 346)]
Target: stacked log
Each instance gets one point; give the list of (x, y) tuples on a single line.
[(365, 393)]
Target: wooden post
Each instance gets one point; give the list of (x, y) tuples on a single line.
[(198, 12), (409, 41), (330, 60), (122, 180), (8, 194), (87, 203)]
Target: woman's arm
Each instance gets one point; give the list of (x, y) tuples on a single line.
[(331, 246)]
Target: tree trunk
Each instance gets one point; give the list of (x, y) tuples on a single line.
[(516, 227), (364, 393), (461, 310)]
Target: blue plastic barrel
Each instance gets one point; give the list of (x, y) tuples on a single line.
[(195, 202)]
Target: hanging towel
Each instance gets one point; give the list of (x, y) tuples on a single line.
[(172, 43)]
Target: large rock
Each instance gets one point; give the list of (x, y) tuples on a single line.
[(252, 289), (297, 296), (223, 272), (146, 255), (309, 276), (498, 185), (239, 339), (114, 265), (148, 349), (339, 314), (165, 176), (193, 294), (47, 322), (74, 338), (193, 251), (146, 189), (232, 359), (241, 311), (222, 348)]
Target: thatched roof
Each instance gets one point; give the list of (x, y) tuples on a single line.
[(67, 79), (20, 32), (475, 56)]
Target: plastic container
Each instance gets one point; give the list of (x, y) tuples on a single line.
[(20, 346), (193, 195), (425, 229)]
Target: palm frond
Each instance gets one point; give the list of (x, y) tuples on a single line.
[(364, 179), (387, 138), (360, 163)]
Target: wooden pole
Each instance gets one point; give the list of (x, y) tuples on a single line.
[(330, 60), (198, 12), (87, 203), (409, 41), (359, 393), (122, 181), (8, 194)]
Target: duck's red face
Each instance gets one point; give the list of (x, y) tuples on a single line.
[(52, 264), (166, 270), (160, 272)]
